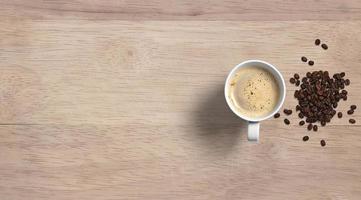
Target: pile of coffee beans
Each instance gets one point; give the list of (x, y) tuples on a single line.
[(318, 95)]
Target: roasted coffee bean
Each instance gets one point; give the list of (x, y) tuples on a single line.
[(308, 75), (305, 138), (287, 111), (296, 76), (347, 82), (309, 127), (292, 80), (277, 115), (335, 105), (304, 59), (287, 122), (296, 94), (317, 42), (352, 121), (300, 115), (298, 82), (350, 112), (298, 107), (311, 63), (324, 46), (325, 74), (339, 114), (301, 123), (323, 123), (315, 128), (333, 112), (344, 92), (304, 79), (342, 74), (353, 107), (344, 98), (323, 143)]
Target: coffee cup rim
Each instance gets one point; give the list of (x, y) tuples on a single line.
[(279, 79)]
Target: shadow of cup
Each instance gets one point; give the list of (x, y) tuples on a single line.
[(218, 129)]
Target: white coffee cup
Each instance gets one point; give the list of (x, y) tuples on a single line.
[(254, 122)]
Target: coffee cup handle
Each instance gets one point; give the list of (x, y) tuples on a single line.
[(253, 131)]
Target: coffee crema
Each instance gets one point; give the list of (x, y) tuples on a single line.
[(254, 91)]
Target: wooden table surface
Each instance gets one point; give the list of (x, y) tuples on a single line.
[(124, 100)]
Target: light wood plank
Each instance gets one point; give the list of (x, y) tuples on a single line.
[(182, 10)]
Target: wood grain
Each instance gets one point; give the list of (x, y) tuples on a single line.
[(135, 110), (182, 10)]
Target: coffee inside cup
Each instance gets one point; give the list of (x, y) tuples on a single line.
[(254, 91)]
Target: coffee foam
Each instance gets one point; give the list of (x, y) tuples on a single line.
[(254, 91)]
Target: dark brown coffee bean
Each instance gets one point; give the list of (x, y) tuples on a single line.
[(353, 107), (304, 59), (309, 127), (344, 98), (324, 46), (342, 74), (317, 42), (287, 122), (313, 120), (298, 82), (350, 112), (311, 63), (298, 107), (292, 80), (296, 76), (323, 143), (296, 94), (323, 123), (352, 121), (339, 114), (347, 82), (333, 112), (315, 128), (325, 74), (304, 79), (335, 104), (305, 138), (301, 123), (277, 115), (308, 75), (300, 115), (287, 111)]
